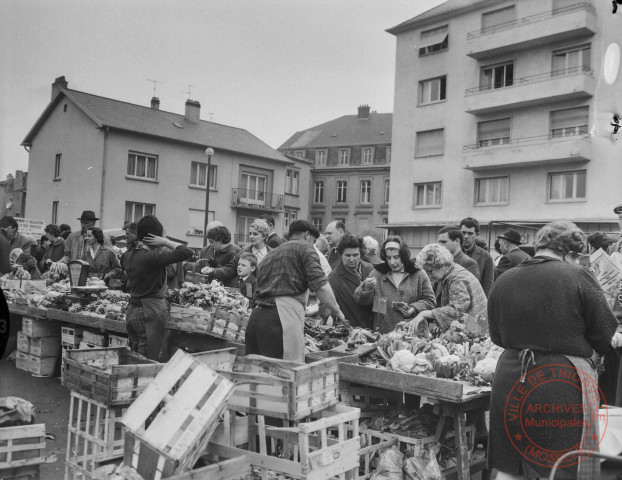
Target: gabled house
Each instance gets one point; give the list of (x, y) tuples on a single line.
[(351, 157), (124, 161)]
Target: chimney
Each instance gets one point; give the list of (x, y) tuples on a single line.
[(363, 111), (193, 111), (155, 103), (59, 83)]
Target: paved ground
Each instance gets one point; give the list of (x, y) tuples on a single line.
[(51, 402)]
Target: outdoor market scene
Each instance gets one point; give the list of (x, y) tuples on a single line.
[(433, 293)]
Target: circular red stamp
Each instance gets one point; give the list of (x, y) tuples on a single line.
[(544, 423)]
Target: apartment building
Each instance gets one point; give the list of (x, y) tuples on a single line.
[(124, 161), (503, 112), (13, 194), (351, 157)]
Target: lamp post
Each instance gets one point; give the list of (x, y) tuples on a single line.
[(209, 151)]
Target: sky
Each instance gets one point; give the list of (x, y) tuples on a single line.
[(273, 67)]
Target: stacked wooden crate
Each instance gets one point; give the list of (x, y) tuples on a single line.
[(38, 346), (22, 451), (70, 337)]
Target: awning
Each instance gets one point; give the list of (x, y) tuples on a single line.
[(433, 38)]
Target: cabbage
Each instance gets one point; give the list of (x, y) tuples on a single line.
[(403, 361), (486, 368)]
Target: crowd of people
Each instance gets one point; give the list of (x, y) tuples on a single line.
[(542, 306)]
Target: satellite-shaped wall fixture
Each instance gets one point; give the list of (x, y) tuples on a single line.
[(616, 123)]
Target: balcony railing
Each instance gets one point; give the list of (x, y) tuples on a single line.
[(255, 199), (530, 19), (530, 79), (558, 133)]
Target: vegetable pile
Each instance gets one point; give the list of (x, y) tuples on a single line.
[(210, 295)]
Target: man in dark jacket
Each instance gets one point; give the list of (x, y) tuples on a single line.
[(470, 229), (344, 280), (452, 239), (335, 231), (512, 255), (273, 239)]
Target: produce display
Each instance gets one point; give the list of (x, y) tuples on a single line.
[(208, 296), (111, 304)]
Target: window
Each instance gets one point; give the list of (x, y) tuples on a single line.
[(572, 121), (253, 189), (494, 132), (55, 212), (135, 211), (320, 157), (57, 166), (344, 156), (430, 143), (434, 40), (198, 175), (497, 76), (196, 219), (492, 191), (388, 153), (571, 60), (65, 108), (317, 223), (386, 190), (498, 18), (565, 186), (289, 216), (428, 195), (291, 181), (365, 196), (299, 153), (342, 190), (142, 166), (434, 90), (367, 155), (318, 192)]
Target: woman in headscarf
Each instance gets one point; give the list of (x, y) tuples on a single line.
[(397, 288), (21, 261), (55, 249)]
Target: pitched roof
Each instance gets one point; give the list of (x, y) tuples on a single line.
[(443, 11), (115, 114), (346, 130)]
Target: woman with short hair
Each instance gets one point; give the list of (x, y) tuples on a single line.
[(102, 259), (461, 295), (397, 288), (55, 250)]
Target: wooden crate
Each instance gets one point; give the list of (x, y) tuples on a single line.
[(39, 327), (118, 341), (169, 425), (45, 346), (228, 325), (23, 342), (42, 366), (222, 359), (21, 361), (63, 355), (113, 376), (190, 319), (29, 472), (237, 468), (71, 335), (21, 446), (282, 389), (94, 338), (325, 445), (94, 436), (369, 399)]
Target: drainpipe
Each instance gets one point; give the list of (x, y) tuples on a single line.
[(103, 188), (490, 245)]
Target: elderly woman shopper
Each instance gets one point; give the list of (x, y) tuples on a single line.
[(23, 262), (550, 316), (461, 295), (258, 232), (397, 288), (102, 259), (55, 249)]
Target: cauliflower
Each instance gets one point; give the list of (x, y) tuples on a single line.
[(486, 368), (403, 361)]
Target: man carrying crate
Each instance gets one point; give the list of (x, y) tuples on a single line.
[(276, 325), (145, 268)]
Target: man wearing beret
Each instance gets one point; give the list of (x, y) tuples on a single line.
[(512, 255), (285, 275), (145, 268)]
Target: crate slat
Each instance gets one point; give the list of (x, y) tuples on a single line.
[(22, 445)]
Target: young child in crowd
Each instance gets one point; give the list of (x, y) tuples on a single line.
[(246, 275)]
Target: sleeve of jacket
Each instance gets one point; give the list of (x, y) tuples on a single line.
[(365, 297), (459, 302), (488, 275), (503, 265), (493, 324), (226, 273), (427, 300), (474, 269)]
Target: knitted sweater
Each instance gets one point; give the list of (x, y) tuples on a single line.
[(551, 306)]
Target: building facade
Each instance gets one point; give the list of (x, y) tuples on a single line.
[(13, 194), (124, 161), (351, 159), (503, 112)]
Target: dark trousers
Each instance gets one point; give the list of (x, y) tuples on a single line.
[(264, 333), (146, 328)]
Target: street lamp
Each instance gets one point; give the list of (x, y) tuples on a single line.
[(209, 151)]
